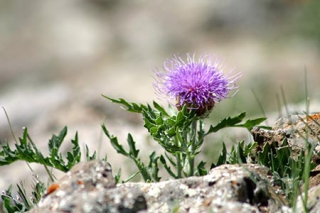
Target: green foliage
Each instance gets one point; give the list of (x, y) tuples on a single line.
[(23, 202), (234, 122), (12, 204), (181, 135), (130, 107), (287, 169), (90, 157), (239, 154), (27, 151), (150, 172)]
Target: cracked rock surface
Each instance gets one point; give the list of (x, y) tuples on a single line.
[(90, 187)]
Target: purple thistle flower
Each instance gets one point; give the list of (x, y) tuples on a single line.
[(196, 84)]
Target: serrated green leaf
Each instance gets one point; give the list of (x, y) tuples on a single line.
[(11, 204), (159, 120), (118, 176), (249, 124), (240, 153), (223, 155), (23, 196), (171, 132), (56, 141), (153, 113), (143, 169), (171, 121), (170, 160), (164, 163), (201, 170), (131, 107), (39, 190), (88, 157), (148, 123), (154, 131), (74, 157), (160, 109), (24, 139), (132, 146), (227, 122), (180, 117), (114, 142), (249, 147), (263, 155), (27, 151), (153, 165)]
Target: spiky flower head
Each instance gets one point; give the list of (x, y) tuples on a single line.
[(196, 84)]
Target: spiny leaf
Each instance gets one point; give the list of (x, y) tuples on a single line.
[(164, 163), (10, 203), (88, 157), (201, 170), (132, 146), (131, 107), (132, 154), (27, 151), (153, 166), (23, 196), (160, 109), (74, 157), (56, 141), (170, 159), (118, 176), (249, 124), (227, 122), (114, 142), (223, 156)]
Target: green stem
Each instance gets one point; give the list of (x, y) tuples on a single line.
[(306, 176), (192, 150), (179, 165), (43, 163)]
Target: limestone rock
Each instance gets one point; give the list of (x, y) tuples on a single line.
[(90, 187), (228, 188), (295, 128), (313, 204)]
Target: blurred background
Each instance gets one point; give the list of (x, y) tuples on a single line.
[(58, 57)]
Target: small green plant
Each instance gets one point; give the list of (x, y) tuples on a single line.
[(177, 134), (26, 150), (23, 202), (287, 170)]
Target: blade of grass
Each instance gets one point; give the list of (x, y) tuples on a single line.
[(10, 126), (260, 105)]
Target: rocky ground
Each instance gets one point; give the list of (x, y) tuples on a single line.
[(58, 57), (91, 187)]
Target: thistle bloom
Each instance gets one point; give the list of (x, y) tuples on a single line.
[(196, 84)]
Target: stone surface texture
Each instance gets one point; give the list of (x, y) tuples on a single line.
[(296, 129), (313, 203), (90, 187)]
